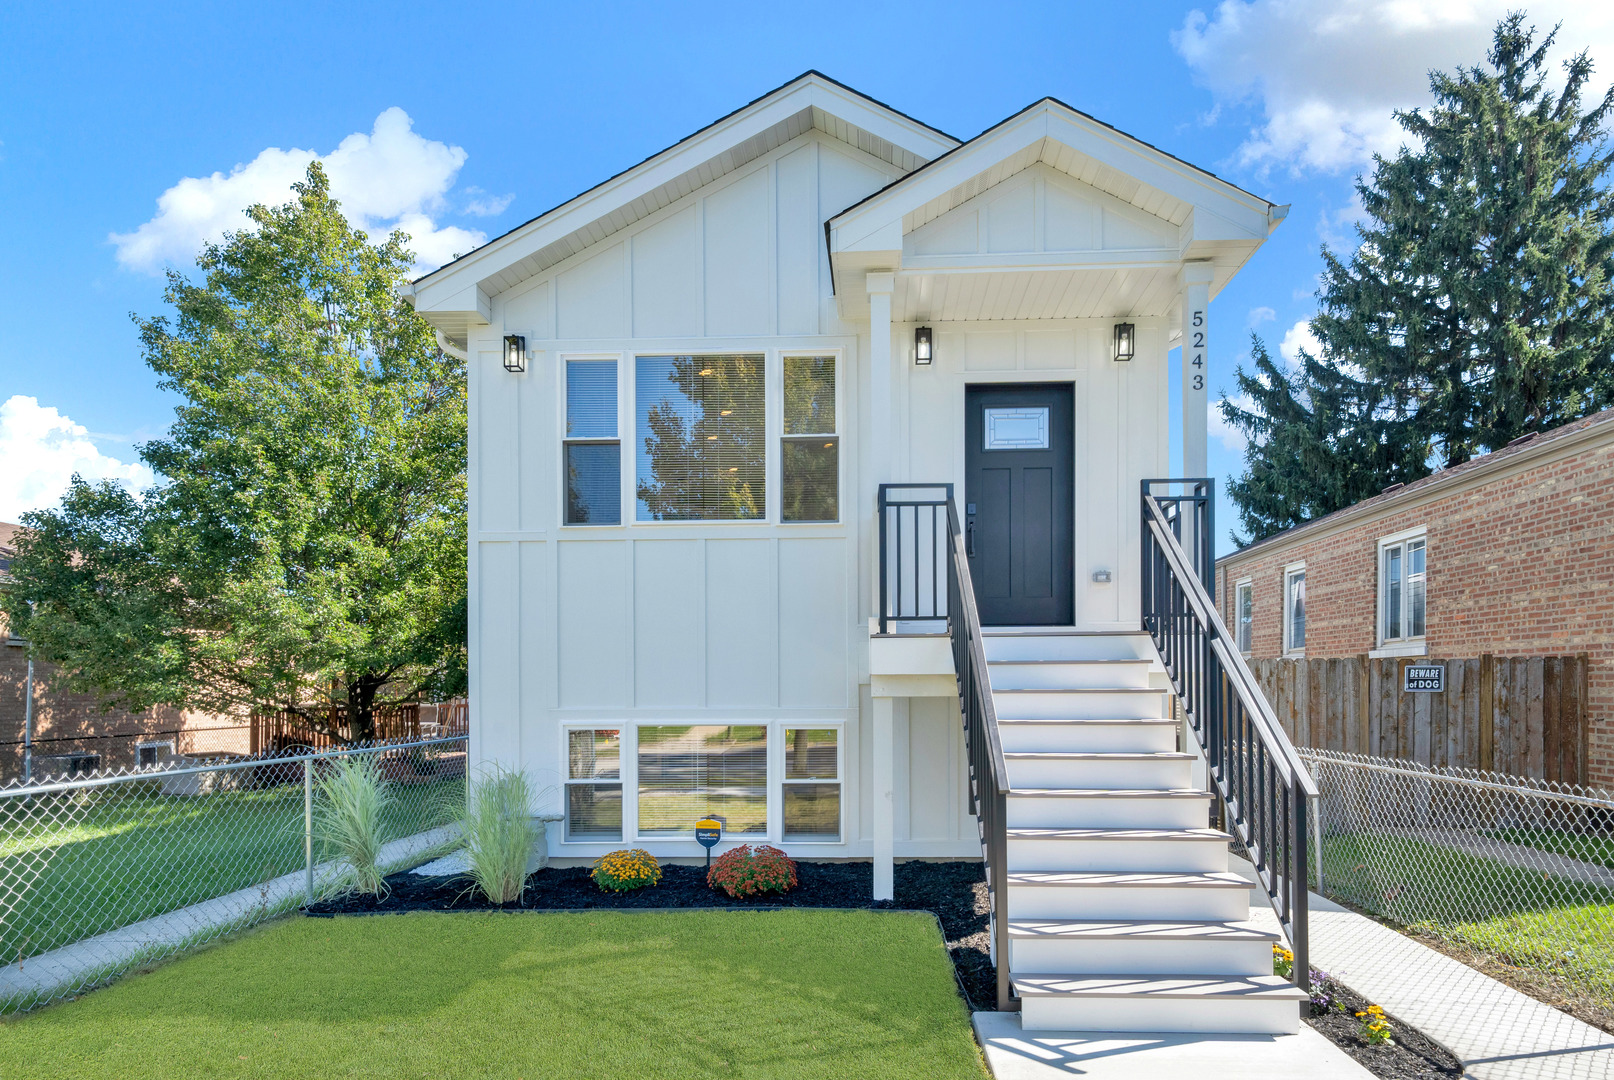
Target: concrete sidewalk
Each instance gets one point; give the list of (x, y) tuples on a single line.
[(1495, 1031), (73, 967)]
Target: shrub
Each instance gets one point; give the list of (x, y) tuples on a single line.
[(499, 833), (624, 871), (349, 821), (744, 872)]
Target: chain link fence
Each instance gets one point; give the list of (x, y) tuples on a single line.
[(105, 873), (1499, 867)]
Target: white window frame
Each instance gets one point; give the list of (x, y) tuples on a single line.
[(624, 414), (1244, 643), (1407, 644), (1289, 573), (155, 744), (626, 734), (777, 781), (776, 423)]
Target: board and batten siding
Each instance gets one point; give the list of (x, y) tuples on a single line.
[(754, 622)]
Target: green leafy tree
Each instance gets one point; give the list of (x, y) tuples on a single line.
[(304, 548), (1479, 304)]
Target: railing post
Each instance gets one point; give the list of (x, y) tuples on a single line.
[(881, 601), (308, 827)]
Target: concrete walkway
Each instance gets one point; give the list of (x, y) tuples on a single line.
[(72, 967), (1497, 1032), (1526, 858)]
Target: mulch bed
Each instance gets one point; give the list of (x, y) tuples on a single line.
[(954, 891)]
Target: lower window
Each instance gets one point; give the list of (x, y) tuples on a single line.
[(693, 771), (149, 754), (594, 784), (812, 785)]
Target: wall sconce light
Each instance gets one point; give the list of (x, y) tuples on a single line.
[(1123, 341), (921, 346), (515, 352)]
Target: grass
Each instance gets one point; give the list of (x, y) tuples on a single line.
[(786, 994), (1558, 927), (73, 867), (1586, 848)]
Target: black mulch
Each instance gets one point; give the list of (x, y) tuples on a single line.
[(954, 891)]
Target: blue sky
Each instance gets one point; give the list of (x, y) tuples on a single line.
[(107, 107)]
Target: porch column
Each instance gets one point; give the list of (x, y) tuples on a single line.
[(885, 814), (880, 286), (1195, 294)]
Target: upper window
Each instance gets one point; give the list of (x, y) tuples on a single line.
[(809, 453), (593, 452), (1401, 589), (1294, 610), (1243, 613), (700, 435)]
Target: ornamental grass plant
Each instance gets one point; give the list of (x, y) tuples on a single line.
[(743, 872), (626, 870), (350, 816), (499, 833)]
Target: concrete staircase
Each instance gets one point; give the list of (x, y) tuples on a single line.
[(1123, 915)]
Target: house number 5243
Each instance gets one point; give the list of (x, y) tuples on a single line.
[(1197, 345)]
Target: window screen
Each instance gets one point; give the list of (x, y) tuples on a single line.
[(809, 454), (812, 787), (700, 434), (703, 770), (593, 453), (594, 784)]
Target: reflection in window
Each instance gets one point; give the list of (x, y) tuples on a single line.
[(593, 454), (700, 435), (1295, 593), (1402, 575), (1244, 613), (812, 788), (809, 454), (689, 772), (594, 785)]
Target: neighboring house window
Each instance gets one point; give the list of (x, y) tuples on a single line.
[(812, 785), (61, 765), (1243, 613), (594, 784), (593, 452), (700, 438), (1401, 589), (692, 771), (810, 451), (150, 754), (1294, 609)]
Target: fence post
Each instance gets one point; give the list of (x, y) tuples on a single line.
[(308, 827)]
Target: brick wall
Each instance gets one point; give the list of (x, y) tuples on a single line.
[(1519, 564), (73, 723)]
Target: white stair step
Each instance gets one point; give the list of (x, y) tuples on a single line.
[(1003, 644), (1194, 851), (1257, 1004), (1075, 674), (1051, 946), (1218, 897), (1101, 808), (1132, 735), (1078, 769), (1148, 704)]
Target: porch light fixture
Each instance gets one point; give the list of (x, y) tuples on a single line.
[(1123, 341), (515, 352), (921, 346)]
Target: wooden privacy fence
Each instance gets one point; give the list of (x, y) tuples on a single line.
[(1523, 715), (277, 731)]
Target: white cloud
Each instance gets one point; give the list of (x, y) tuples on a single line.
[(1260, 315), (42, 450), (484, 205), (1218, 428), (1327, 73), (1297, 337), (391, 178)]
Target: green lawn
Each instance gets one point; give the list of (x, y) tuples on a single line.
[(72, 867), (608, 995), (1556, 926), (1586, 848)]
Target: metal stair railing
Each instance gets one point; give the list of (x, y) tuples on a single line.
[(1265, 788)]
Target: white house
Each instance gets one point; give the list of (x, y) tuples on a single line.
[(687, 387)]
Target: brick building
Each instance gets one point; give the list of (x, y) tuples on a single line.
[(73, 734), (1509, 554)]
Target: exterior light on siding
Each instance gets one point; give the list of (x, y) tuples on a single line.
[(1123, 341), (921, 346), (515, 352)]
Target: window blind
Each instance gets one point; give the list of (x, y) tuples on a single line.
[(591, 399), (594, 809), (593, 453), (700, 431), (809, 455), (693, 771)]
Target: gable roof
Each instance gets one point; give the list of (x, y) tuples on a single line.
[(811, 100)]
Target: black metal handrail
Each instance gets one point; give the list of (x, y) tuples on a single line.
[(1264, 786), (989, 776)]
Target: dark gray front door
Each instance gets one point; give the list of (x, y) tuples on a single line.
[(1017, 502)]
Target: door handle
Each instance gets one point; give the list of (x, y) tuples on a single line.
[(969, 537)]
